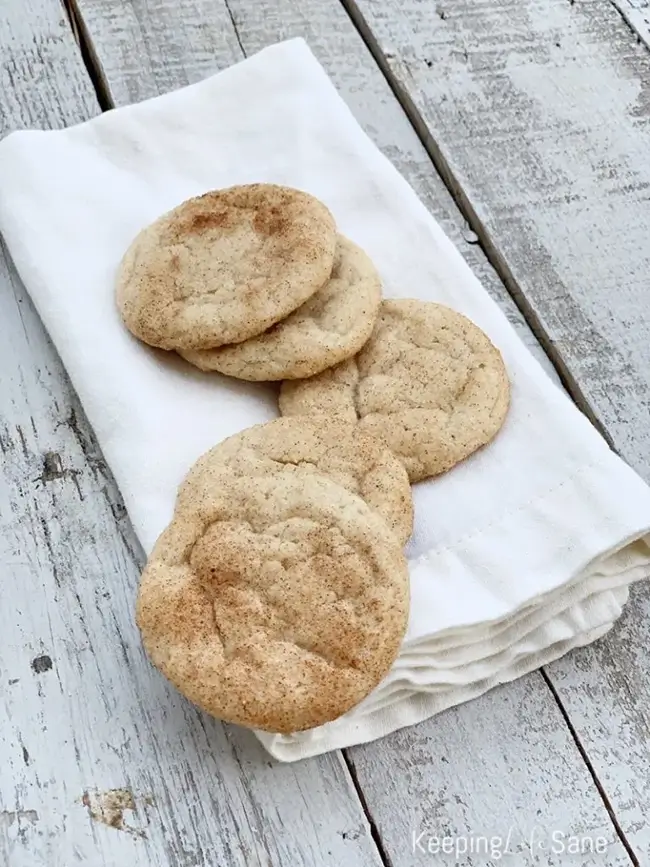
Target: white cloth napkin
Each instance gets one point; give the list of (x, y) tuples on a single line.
[(519, 554)]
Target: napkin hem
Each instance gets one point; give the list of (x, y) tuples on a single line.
[(594, 537), (421, 706), (568, 530)]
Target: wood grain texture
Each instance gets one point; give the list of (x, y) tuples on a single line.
[(523, 769), (539, 114), (637, 15), (523, 791), (103, 763), (146, 48), (42, 82), (605, 689)]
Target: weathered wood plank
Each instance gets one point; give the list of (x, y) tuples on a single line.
[(605, 690), (487, 788), (35, 41), (147, 48), (102, 762), (564, 793), (538, 112), (637, 15)]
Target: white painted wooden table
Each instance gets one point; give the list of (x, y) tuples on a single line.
[(525, 127)]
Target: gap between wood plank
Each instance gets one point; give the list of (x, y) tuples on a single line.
[(234, 26), (636, 19), (374, 830), (467, 210), (104, 98), (89, 55), (601, 791), (500, 266), (102, 90)]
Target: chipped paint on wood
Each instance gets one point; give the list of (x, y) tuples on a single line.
[(82, 710), (637, 15), (109, 807), (538, 112), (496, 783), (99, 720), (517, 783), (9, 817)]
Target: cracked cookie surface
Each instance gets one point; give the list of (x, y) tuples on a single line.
[(225, 266), (352, 458), (277, 603), (429, 383), (328, 328)]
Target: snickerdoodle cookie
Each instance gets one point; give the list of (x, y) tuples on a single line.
[(429, 383), (276, 603), (343, 452), (225, 266), (328, 328)]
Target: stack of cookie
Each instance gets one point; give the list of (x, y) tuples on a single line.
[(278, 596), (253, 282)]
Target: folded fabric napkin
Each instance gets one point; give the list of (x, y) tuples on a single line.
[(519, 554)]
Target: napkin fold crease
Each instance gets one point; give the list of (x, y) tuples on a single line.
[(520, 554)]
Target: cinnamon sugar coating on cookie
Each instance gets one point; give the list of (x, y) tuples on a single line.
[(342, 452), (328, 328), (277, 603), (428, 383), (225, 266)]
